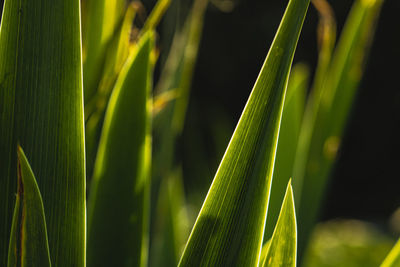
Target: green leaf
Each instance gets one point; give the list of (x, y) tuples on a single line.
[(264, 251), (393, 258), (230, 225), (28, 241), (156, 14), (116, 56), (117, 227), (41, 107), (347, 243), (327, 117), (288, 137), (101, 21), (171, 227), (282, 248), (175, 81)]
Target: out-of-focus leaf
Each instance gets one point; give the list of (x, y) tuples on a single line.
[(393, 258), (102, 20), (41, 107), (347, 243), (264, 251), (118, 216), (116, 56), (171, 227), (230, 226), (156, 15), (288, 136), (28, 241), (323, 126), (177, 76), (282, 248)]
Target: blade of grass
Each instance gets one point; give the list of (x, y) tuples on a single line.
[(324, 126), (28, 241), (230, 226), (288, 136), (102, 19), (41, 106), (393, 258), (282, 248), (119, 195)]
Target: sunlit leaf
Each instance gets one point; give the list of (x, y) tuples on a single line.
[(116, 56), (28, 241), (118, 207), (282, 248), (393, 259), (101, 21), (230, 226), (41, 107), (288, 136)]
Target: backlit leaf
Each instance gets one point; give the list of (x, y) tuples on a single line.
[(230, 226), (28, 241)]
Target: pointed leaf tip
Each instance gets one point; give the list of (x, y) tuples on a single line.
[(283, 244), (28, 242)]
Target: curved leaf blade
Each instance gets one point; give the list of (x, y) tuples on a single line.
[(28, 241), (118, 204), (230, 225), (283, 245)]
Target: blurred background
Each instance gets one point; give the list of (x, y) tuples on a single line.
[(237, 34), (365, 183)]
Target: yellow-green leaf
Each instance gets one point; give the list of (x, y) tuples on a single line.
[(101, 21), (393, 258), (28, 241), (288, 137), (229, 228), (282, 248)]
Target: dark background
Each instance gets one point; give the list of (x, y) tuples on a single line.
[(366, 181)]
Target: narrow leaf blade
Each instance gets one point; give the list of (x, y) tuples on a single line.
[(288, 137), (230, 226), (28, 241)]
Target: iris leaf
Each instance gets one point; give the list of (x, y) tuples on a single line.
[(230, 226), (28, 242), (118, 207)]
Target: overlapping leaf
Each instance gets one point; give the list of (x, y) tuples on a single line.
[(327, 113), (230, 226), (41, 107), (283, 245), (288, 137), (28, 241)]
